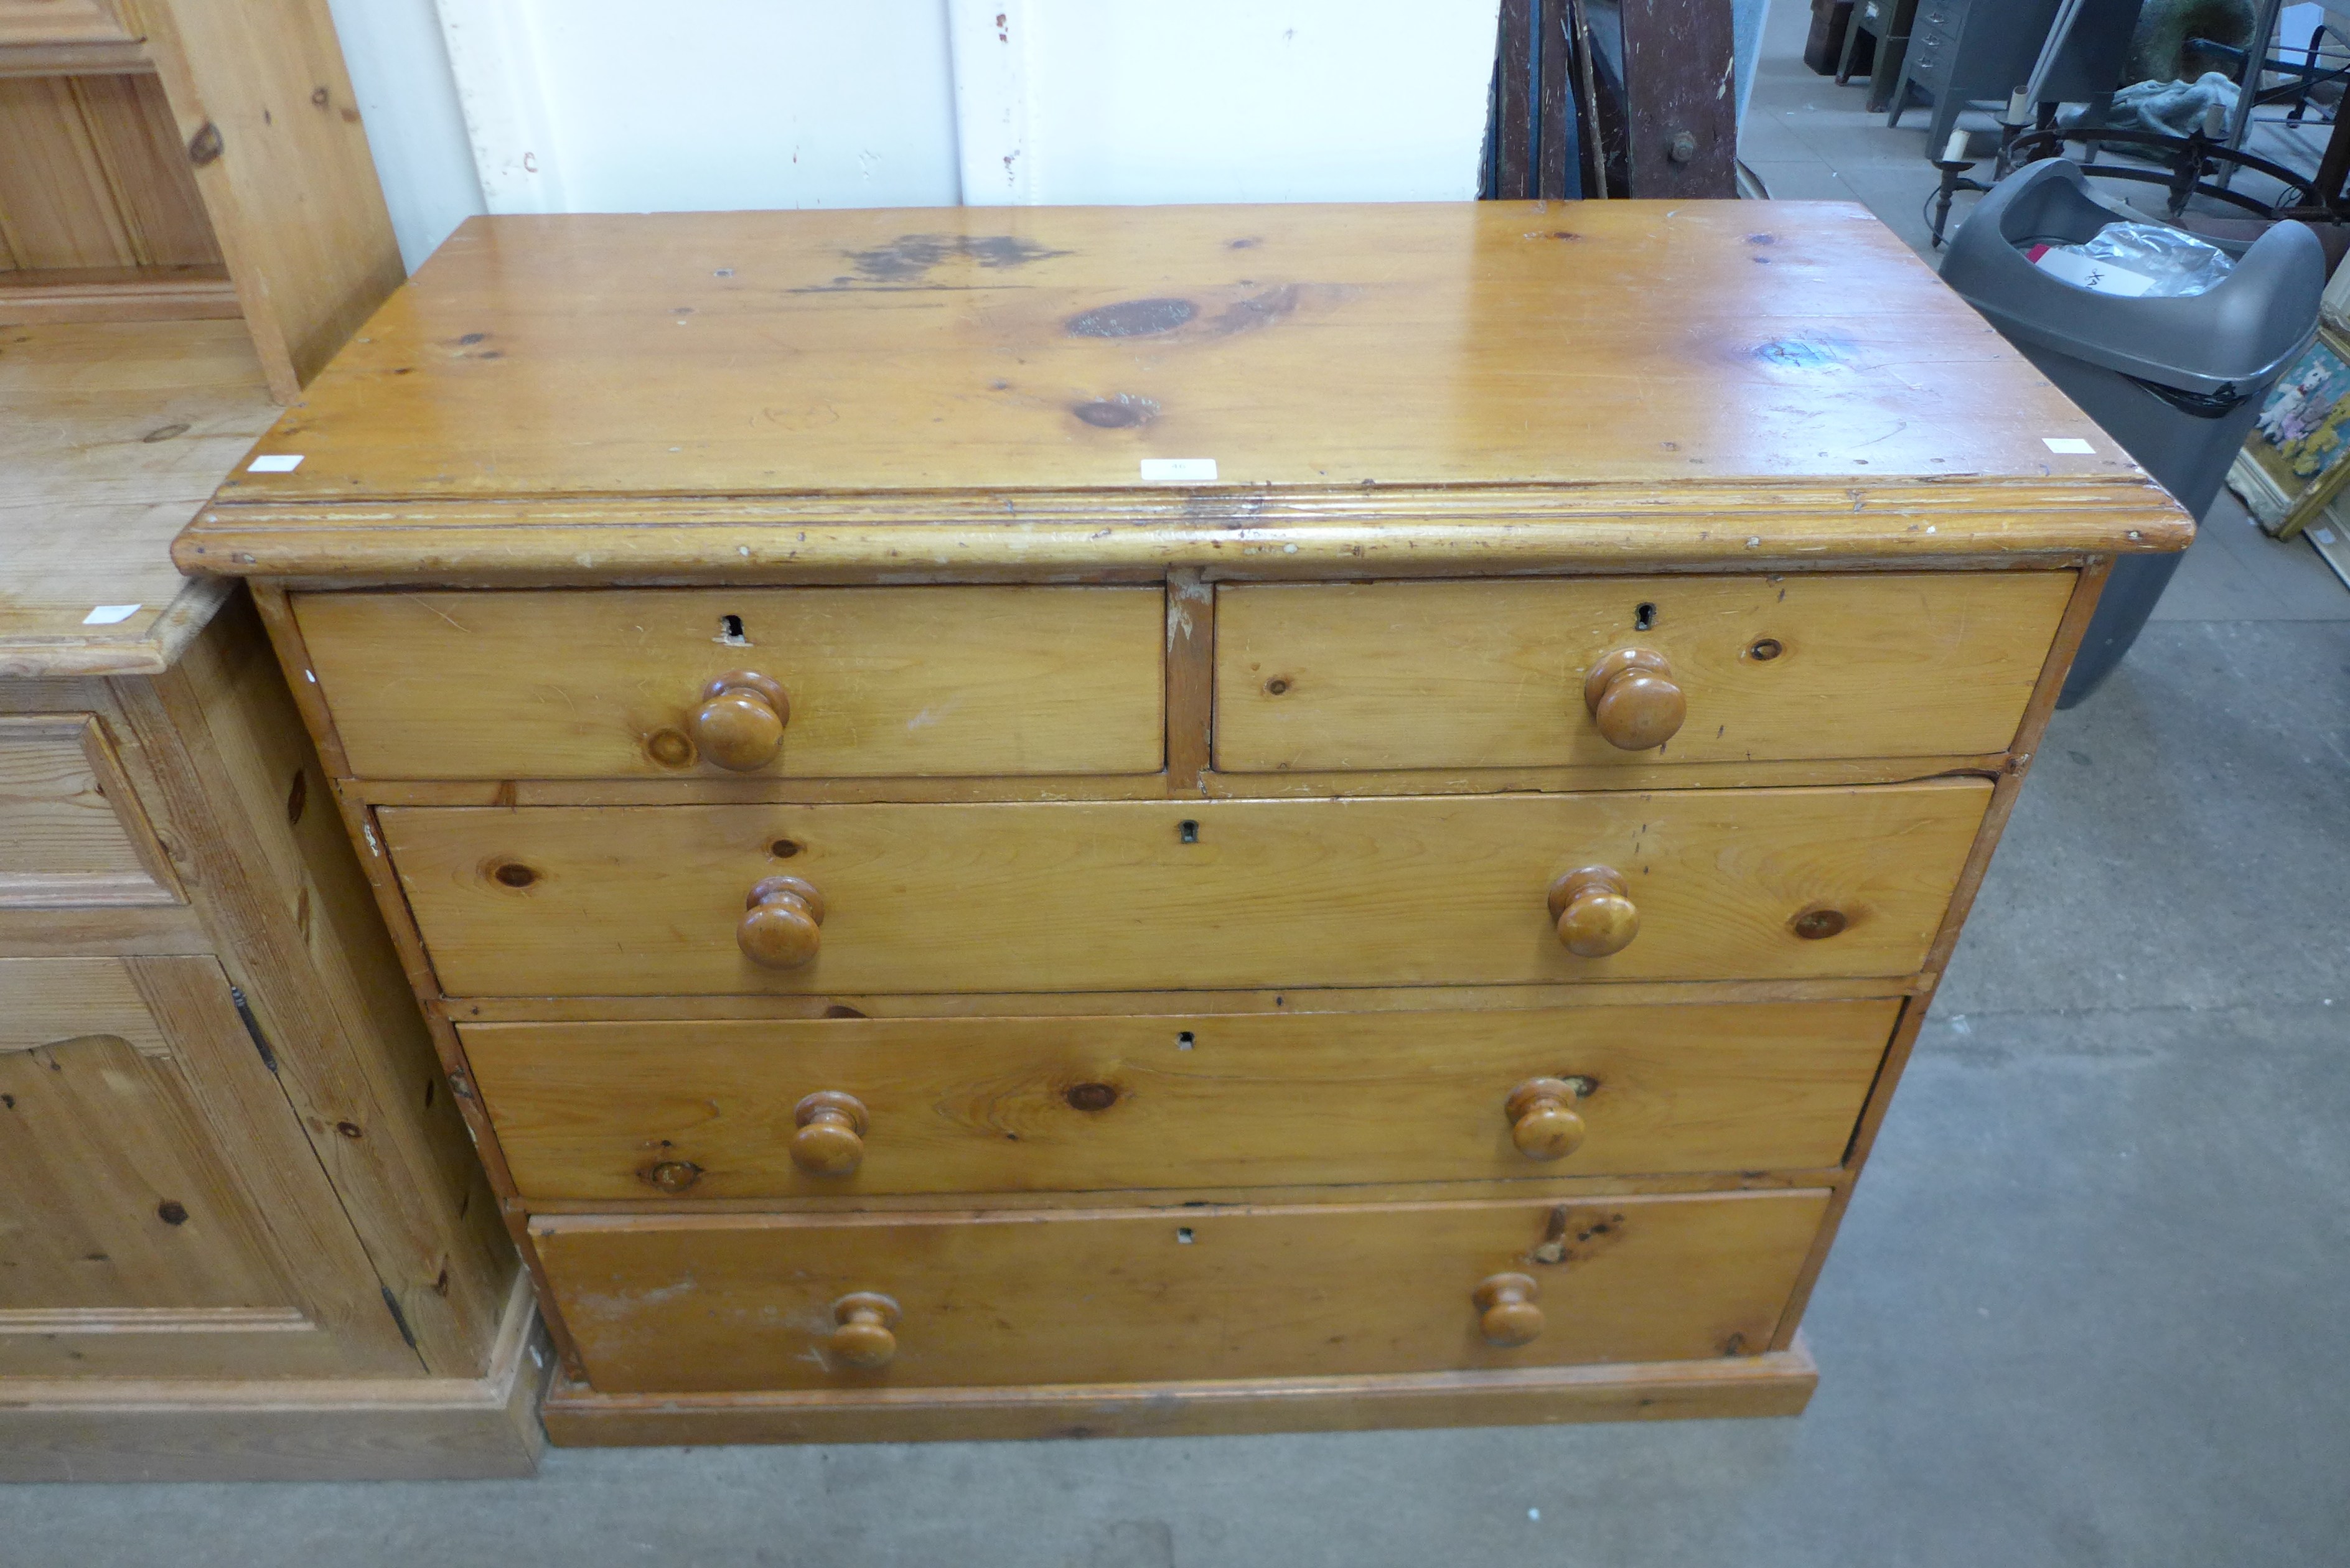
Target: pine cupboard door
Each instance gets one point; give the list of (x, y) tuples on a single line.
[(72, 834), (165, 1216), (65, 22)]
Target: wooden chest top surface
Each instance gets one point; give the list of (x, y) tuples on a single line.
[(1465, 361)]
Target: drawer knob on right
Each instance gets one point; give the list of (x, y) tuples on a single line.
[(1594, 909), (781, 922), (831, 1137), (1543, 1120), (1634, 700), (740, 724), (860, 1334), (1510, 1315)]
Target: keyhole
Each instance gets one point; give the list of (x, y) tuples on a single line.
[(1184, 1041), (1644, 616), (730, 632), (1191, 831)]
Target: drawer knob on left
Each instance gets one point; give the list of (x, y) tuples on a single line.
[(831, 1137), (1510, 1315), (782, 921), (861, 1325), (1594, 909), (1543, 1119), (740, 724), (1634, 700)]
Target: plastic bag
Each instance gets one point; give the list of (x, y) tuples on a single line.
[(2136, 261)]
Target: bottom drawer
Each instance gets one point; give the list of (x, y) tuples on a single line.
[(756, 1301)]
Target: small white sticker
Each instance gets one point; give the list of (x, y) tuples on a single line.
[(2323, 535), (283, 462), (1178, 468), (108, 615), (2069, 445)]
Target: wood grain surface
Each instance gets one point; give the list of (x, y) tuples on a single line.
[(987, 347), (1366, 381), (744, 1302), (71, 830), (292, 191), (977, 680), (110, 436), (1778, 1382), (594, 1110), (1426, 891), (1491, 674), (63, 22)]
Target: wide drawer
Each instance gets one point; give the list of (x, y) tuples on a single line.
[(875, 681), (749, 1302), (720, 1109), (1492, 674), (1148, 894)]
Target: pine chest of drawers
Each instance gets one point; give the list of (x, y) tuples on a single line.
[(1085, 821)]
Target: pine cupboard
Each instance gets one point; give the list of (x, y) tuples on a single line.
[(1032, 822), (243, 1236)]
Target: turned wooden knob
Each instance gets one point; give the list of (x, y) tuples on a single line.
[(862, 1322), (1543, 1120), (780, 921), (740, 724), (1632, 697), (831, 1137), (1592, 906), (1507, 1303)]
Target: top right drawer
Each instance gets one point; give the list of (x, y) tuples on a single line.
[(1501, 674)]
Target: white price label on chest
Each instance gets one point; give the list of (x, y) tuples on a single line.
[(1179, 470)]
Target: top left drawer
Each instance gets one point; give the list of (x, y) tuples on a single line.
[(850, 683)]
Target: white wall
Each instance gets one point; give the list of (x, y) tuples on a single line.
[(535, 106), (1222, 100), (612, 106), (408, 102)]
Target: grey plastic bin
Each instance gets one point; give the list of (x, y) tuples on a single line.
[(2178, 382)]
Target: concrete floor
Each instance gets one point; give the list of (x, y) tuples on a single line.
[(2079, 1315)]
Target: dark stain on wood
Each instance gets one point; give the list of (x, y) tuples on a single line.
[(1815, 925), (1808, 353), (908, 256), (1119, 413), (1573, 1234), (1261, 309), (1133, 318), (671, 1174)]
